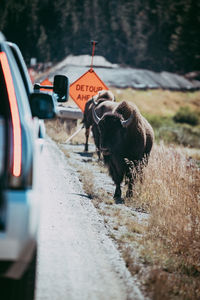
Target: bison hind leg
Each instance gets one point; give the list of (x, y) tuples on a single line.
[(86, 147)]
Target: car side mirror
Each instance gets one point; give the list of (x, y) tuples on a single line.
[(61, 88), (42, 106)]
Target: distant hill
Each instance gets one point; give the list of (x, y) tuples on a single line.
[(117, 76)]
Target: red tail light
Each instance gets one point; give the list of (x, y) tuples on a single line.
[(17, 140)]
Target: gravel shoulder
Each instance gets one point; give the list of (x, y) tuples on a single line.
[(122, 223), (77, 258)]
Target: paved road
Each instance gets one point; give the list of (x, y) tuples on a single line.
[(76, 259)]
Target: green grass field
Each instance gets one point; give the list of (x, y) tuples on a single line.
[(161, 108)]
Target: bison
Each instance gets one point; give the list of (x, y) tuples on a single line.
[(88, 117), (125, 140)]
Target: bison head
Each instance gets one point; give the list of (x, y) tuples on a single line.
[(112, 130)]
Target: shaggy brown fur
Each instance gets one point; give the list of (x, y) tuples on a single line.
[(88, 121), (126, 139)]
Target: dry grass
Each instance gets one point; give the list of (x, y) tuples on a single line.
[(171, 190), (156, 102), (97, 195), (159, 102), (171, 193), (169, 242), (162, 108), (88, 183), (58, 131)]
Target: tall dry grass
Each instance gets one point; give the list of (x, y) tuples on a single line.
[(170, 191), (58, 130)]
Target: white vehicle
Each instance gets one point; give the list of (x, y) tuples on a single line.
[(20, 133)]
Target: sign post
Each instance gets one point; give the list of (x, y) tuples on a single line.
[(86, 86)]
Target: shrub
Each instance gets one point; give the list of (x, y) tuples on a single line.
[(183, 135), (159, 121), (186, 115)]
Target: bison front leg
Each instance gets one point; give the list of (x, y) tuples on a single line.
[(117, 195), (116, 170)]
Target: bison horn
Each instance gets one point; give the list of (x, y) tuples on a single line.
[(127, 122), (94, 102), (95, 117)]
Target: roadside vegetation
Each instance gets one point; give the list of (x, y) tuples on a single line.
[(158, 229), (170, 246), (175, 116)]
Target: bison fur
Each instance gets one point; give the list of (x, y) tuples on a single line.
[(88, 121), (125, 140)]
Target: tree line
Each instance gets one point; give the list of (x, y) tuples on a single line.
[(151, 34)]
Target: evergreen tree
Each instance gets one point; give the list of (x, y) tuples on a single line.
[(152, 34)]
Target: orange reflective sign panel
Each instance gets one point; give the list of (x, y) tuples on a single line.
[(88, 85), (47, 82)]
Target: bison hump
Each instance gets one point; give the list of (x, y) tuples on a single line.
[(124, 109)]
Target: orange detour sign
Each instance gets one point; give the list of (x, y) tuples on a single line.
[(47, 82), (88, 85)]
